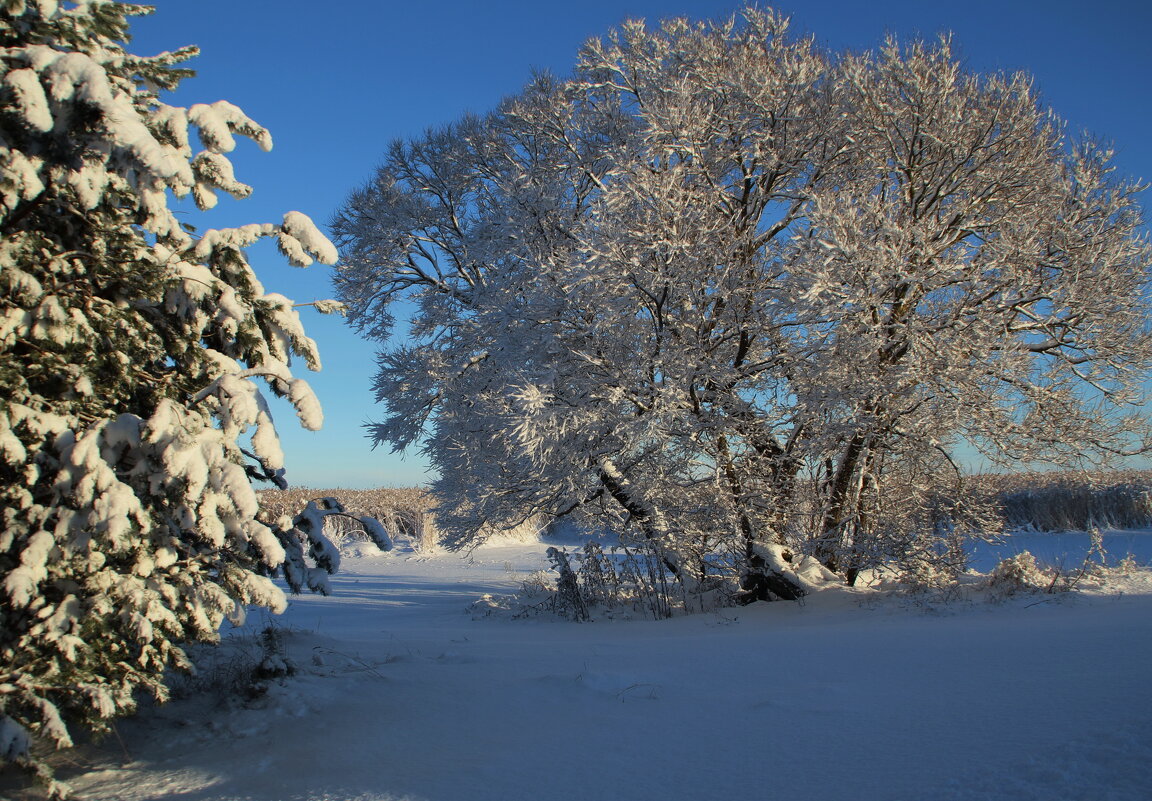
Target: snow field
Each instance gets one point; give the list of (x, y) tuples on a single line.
[(403, 693)]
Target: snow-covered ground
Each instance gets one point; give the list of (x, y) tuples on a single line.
[(403, 692)]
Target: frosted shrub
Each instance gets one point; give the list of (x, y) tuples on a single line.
[(926, 575), (131, 417), (1017, 574), (633, 579), (240, 668), (537, 584), (569, 597), (1128, 566)]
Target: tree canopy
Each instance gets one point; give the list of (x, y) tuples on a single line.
[(750, 299)]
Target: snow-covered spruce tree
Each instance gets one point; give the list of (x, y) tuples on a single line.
[(130, 423), (751, 298)]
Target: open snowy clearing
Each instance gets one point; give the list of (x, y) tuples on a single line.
[(404, 692)]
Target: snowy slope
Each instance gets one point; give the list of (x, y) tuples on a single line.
[(404, 694)]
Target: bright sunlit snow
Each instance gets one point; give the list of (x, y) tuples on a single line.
[(407, 689)]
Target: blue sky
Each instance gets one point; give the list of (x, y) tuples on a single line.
[(336, 81)]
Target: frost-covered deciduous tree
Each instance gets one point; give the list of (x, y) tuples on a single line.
[(749, 298), (567, 330), (130, 420), (977, 277), (459, 221)]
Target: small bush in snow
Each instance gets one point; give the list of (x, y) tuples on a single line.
[(1017, 574), (631, 579), (241, 667), (537, 583)]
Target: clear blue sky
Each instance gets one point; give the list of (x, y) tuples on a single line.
[(336, 81)]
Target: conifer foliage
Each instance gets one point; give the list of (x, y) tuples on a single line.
[(130, 420)]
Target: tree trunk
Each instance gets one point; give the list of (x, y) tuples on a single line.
[(840, 499), (758, 582), (761, 583), (649, 519)]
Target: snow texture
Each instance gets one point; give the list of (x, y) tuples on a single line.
[(405, 690)]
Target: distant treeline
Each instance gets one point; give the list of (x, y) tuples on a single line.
[(404, 512), (1040, 501), (1072, 501)]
